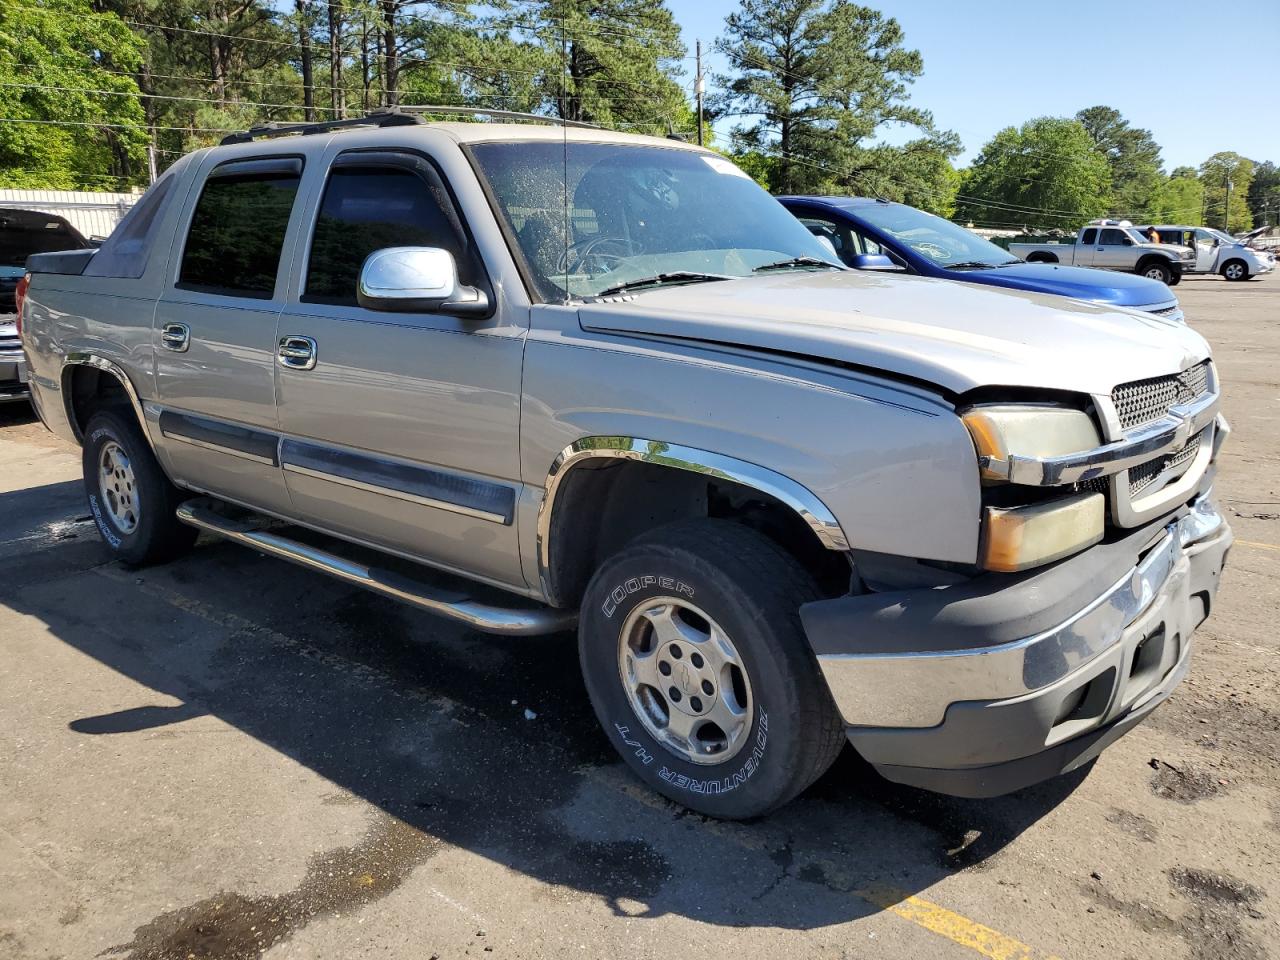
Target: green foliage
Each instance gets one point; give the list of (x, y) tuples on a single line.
[(50, 63), (1045, 173), (611, 62), (1264, 194), (1181, 199), (1133, 155), (1214, 175), (814, 82)]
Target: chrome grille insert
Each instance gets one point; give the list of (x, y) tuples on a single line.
[(1173, 465), (1143, 401)]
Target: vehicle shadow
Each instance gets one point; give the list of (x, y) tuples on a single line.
[(427, 722)]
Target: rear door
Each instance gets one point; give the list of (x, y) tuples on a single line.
[(1086, 251), (403, 431), (215, 333)]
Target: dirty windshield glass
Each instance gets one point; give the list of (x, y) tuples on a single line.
[(636, 213)]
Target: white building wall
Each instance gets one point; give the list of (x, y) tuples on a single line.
[(93, 214)]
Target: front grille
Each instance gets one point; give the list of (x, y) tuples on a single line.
[(9, 343), (1163, 311), (1174, 464), (1143, 401)]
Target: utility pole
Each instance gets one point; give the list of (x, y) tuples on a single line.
[(699, 86), (151, 159)]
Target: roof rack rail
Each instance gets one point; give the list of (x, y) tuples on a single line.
[(390, 117)]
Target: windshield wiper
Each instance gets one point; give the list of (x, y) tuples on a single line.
[(792, 262), (658, 279), (971, 265)]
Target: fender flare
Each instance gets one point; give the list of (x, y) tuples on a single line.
[(804, 502), (101, 363)]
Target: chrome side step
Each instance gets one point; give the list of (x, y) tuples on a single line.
[(489, 619)]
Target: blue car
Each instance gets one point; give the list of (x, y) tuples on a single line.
[(874, 234)]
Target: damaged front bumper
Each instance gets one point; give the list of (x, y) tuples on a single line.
[(983, 687)]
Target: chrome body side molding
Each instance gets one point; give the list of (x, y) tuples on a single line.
[(810, 509), (479, 616)]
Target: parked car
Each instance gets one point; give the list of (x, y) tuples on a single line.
[(881, 235), (788, 504), (22, 233), (1216, 252), (1114, 245)]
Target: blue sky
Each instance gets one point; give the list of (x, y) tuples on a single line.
[(1181, 69)]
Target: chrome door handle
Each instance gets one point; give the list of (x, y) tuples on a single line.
[(175, 337), (297, 353)]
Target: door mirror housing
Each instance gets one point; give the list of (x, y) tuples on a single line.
[(417, 280), (874, 261)]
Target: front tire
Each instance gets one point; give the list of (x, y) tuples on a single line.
[(698, 668), (1154, 270), (131, 500), (1235, 270)]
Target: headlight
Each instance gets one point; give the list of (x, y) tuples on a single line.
[(1018, 538), (1002, 431)]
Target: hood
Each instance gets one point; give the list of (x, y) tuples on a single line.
[(957, 336), (1084, 283)]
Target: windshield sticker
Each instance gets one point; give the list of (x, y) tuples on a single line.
[(720, 165)]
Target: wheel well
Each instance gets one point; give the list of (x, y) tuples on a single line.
[(87, 390), (1234, 260), (602, 505), (1154, 258)]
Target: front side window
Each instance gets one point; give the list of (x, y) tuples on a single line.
[(371, 208), (636, 213), (1111, 238), (237, 234)]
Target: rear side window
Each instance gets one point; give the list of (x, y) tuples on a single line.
[(237, 234), (1089, 236), (371, 208), (124, 253)]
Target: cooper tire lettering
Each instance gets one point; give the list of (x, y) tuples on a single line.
[(633, 585)]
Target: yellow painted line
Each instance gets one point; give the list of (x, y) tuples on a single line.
[(946, 923), (1259, 545), (937, 919)]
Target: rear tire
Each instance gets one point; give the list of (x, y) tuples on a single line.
[(131, 500), (1235, 270), (699, 670), (1155, 270)]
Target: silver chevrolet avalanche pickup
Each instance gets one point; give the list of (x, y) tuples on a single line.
[(787, 504)]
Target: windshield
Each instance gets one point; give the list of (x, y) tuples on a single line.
[(637, 213), (938, 241), (1222, 237)]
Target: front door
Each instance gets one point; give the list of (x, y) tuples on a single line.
[(1206, 252), (1114, 250), (215, 335), (401, 429)]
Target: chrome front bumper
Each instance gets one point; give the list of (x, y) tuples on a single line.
[(941, 698), (13, 377)]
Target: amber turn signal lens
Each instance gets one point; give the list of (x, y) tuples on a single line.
[(1019, 538)]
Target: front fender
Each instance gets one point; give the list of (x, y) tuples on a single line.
[(877, 465)]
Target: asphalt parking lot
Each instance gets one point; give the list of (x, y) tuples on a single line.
[(230, 758)]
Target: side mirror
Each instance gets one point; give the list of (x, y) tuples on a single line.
[(874, 261), (1127, 242), (417, 280)]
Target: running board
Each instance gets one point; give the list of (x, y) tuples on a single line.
[(479, 616)]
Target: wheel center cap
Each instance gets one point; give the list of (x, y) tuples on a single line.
[(686, 679)]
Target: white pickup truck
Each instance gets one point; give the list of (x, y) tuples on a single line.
[(1113, 245)]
